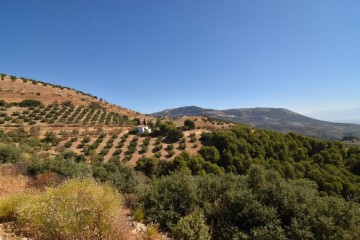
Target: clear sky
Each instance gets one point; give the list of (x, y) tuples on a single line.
[(148, 55)]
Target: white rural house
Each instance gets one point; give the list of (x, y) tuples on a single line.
[(143, 129)]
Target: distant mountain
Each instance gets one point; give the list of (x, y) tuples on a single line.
[(278, 119)]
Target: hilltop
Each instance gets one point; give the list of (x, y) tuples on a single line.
[(277, 119), (16, 89)]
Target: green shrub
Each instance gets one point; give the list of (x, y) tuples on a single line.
[(174, 135), (152, 232), (139, 214), (9, 153), (144, 149), (189, 124), (10, 204), (119, 175), (169, 199), (192, 227), (30, 103), (182, 146), (170, 154), (192, 138), (86, 139), (157, 148), (260, 205), (67, 167), (149, 166), (77, 209), (68, 144), (52, 138), (210, 154)]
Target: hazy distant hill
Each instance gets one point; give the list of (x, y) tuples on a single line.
[(277, 119)]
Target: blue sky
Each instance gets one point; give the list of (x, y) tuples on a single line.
[(148, 55)]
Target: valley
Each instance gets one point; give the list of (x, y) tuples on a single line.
[(68, 150)]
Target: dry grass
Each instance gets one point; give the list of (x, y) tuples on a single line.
[(11, 180), (16, 188), (44, 180), (77, 209)]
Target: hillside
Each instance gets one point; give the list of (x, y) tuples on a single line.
[(225, 179), (277, 119), (14, 89), (82, 123)]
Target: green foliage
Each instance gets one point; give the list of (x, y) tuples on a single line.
[(174, 135), (67, 104), (68, 144), (157, 148), (184, 163), (76, 209), (10, 204), (192, 227), (329, 164), (260, 205), (30, 103), (136, 121), (119, 175), (95, 105), (51, 138), (169, 131), (210, 154), (149, 166), (139, 214), (9, 153), (192, 138), (169, 199), (189, 124), (67, 167)]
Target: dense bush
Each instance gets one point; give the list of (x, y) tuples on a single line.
[(30, 103), (260, 205), (63, 165), (2, 103), (78, 209), (51, 138), (174, 135), (119, 175), (329, 164), (9, 153), (189, 124), (184, 163), (192, 227), (68, 144)]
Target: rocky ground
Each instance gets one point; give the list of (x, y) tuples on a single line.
[(8, 233)]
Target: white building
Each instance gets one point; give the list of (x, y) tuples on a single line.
[(143, 129)]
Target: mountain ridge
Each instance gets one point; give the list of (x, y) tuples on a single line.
[(278, 119)]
